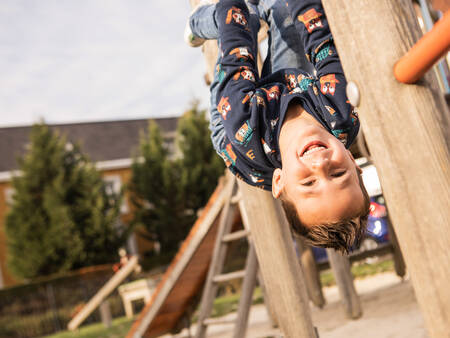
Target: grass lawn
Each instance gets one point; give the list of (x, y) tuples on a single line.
[(359, 270), (119, 329)]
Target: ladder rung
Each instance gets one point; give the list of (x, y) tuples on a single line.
[(236, 198), (229, 276), (216, 321), (235, 235)]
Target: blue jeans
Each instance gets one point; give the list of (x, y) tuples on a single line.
[(285, 49)]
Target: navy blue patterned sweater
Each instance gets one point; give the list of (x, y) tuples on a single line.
[(253, 109)]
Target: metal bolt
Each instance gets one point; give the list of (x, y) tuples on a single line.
[(353, 94)]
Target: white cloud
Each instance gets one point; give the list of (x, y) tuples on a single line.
[(92, 60)]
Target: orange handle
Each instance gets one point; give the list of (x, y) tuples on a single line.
[(422, 56)]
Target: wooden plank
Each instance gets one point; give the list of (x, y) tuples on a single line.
[(278, 262), (235, 235), (248, 286), (408, 132), (177, 302), (218, 321), (229, 276), (344, 280), (105, 290)]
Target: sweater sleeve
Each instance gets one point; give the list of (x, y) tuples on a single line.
[(330, 84), (237, 64), (244, 106)]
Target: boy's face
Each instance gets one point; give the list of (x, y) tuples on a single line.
[(319, 175)]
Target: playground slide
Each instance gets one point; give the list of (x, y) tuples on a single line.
[(185, 276)]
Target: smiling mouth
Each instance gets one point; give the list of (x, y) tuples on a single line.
[(312, 147)]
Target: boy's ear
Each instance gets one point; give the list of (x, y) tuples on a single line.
[(358, 168), (277, 182)]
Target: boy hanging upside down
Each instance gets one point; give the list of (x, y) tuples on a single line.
[(289, 131)]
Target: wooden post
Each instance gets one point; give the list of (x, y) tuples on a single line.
[(408, 133), (248, 287), (311, 273), (105, 313), (278, 262), (344, 280), (399, 262), (267, 302)]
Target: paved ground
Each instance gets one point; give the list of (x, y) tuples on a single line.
[(389, 305)]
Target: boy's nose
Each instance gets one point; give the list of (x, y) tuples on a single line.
[(322, 163)]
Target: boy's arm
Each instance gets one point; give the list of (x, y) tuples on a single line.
[(237, 65), (312, 25)]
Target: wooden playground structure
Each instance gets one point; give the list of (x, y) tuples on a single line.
[(408, 133)]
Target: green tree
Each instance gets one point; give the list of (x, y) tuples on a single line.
[(61, 217), (201, 166), (155, 192), (168, 189)]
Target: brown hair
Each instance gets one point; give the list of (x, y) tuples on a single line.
[(340, 235)]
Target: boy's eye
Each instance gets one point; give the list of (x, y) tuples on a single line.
[(338, 173), (308, 183)]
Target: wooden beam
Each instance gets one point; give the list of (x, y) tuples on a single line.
[(344, 281), (311, 273), (226, 277), (399, 261), (267, 297), (104, 292), (408, 133), (219, 321), (235, 236), (278, 261), (248, 286), (267, 302)]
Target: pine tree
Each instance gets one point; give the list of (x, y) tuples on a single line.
[(60, 217), (155, 191), (201, 166), (168, 190)]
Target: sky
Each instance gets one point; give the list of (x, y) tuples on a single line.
[(67, 61)]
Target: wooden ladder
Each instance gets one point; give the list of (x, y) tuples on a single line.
[(215, 276)]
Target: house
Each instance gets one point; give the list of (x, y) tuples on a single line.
[(110, 145)]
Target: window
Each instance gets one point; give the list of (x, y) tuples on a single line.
[(9, 195), (113, 186)]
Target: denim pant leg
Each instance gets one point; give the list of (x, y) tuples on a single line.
[(215, 118), (203, 22), (285, 47)]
